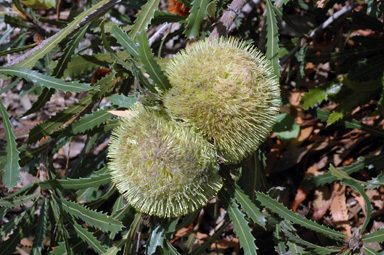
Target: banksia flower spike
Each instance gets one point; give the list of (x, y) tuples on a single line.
[(226, 89), (160, 166)]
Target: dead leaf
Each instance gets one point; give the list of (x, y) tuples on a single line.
[(127, 113), (339, 209)]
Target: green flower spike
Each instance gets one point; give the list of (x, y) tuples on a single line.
[(227, 90), (160, 166)]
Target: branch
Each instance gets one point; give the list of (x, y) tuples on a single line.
[(226, 20)]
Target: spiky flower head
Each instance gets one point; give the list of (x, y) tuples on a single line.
[(227, 90), (160, 166)]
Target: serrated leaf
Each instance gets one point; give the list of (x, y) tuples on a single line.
[(240, 224), (90, 239), (249, 208), (79, 65), (8, 247), (68, 52), (41, 228), (144, 18), (45, 4), (12, 169), (294, 248), (124, 40), (272, 53), (93, 218), (81, 183), (376, 236), (376, 182), (18, 200), (334, 116), (298, 240), (161, 17), (59, 250), (45, 81), (43, 98), (279, 240), (150, 64), (285, 213), (195, 18), (11, 225), (90, 121), (318, 95), (122, 100), (286, 128), (325, 178), (48, 44), (49, 126)]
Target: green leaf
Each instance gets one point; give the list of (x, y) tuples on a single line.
[(169, 249), (11, 225), (370, 251), (249, 207), (47, 45), (359, 164), (93, 218), (285, 213), (286, 128), (157, 239), (376, 182), (124, 40), (318, 95), (150, 64), (44, 97), (12, 169), (40, 232), (81, 183), (56, 122), (272, 53), (195, 18), (376, 236), (123, 101), (68, 52), (162, 17), (298, 240), (8, 247), (45, 81), (18, 200), (357, 124), (294, 248), (240, 224), (90, 121), (90, 239), (144, 18), (46, 4), (279, 240)]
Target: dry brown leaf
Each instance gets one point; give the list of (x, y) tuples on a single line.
[(339, 209), (361, 201), (126, 113), (321, 202), (301, 195)]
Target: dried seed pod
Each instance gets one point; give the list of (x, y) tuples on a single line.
[(161, 166), (227, 90)]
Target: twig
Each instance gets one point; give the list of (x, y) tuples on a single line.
[(161, 31), (226, 20)]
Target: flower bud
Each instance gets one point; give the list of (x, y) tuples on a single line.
[(226, 89), (161, 166)]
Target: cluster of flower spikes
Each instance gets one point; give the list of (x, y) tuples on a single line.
[(161, 166), (226, 89)]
